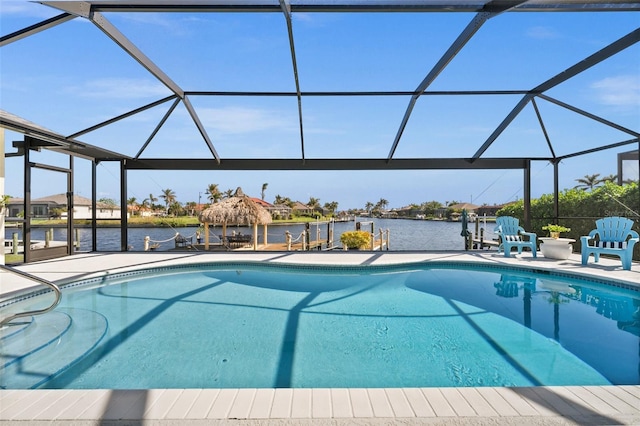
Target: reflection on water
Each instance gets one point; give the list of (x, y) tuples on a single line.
[(404, 234)]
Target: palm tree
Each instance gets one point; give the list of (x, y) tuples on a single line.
[(382, 204), (169, 197), (132, 202), (152, 200), (228, 193), (610, 178), (588, 182), (264, 188), (332, 206), (368, 206), (213, 193), (313, 202)]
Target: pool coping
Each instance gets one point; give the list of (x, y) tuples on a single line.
[(526, 405)]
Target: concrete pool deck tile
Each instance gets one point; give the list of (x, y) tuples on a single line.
[(478, 402), (321, 403), (519, 403), (341, 403), (301, 403), (438, 402), (628, 394), (202, 404), (241, 406), (25, 406), (497, 402), (616, 403), (223, 403), (459, 404), (90, 404), (360, 403), (418, 402), (262, 403), (399, 403), (281, 404), (379, 403)]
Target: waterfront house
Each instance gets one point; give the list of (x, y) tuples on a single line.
[(302, 209), (277, 211), (489, 211), (54, 205)]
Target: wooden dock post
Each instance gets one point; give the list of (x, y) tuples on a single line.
[(15, 243)]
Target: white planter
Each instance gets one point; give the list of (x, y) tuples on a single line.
[(556, 248)]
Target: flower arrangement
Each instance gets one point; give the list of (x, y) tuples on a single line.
[(555, 230)]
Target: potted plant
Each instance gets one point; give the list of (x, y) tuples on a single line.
[(355, 239), (555, 230)]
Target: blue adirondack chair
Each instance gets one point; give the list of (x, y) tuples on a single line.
[(511, 234), (614, 236)]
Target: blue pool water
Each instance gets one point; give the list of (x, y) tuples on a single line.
[(246, 325)]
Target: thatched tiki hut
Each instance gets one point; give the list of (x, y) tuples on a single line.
[(236, 210)]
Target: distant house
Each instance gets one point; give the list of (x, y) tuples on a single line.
[(302, 209), (471, 208), (457, 208), (44, 207), (408, 211), (280, 211), (489, 211)]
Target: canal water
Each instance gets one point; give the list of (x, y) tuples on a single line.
[(404, 235)]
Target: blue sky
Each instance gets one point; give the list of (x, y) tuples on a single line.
[(73, 76)]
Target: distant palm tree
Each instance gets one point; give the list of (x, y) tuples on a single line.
[(332, 206), (213, 193), (588, 182), (152, 200), (228, 193), (132, 202), (169, 197), (610, 178), (313, 202), (264, 188), (368, 206), (382, 204)]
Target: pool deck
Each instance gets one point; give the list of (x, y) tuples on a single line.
[(584, 405)]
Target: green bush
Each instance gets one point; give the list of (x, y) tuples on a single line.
[(579, 209), (356, 239)]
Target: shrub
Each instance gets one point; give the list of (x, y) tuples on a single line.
[(356, 239)]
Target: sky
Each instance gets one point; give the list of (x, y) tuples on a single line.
[(72, 76)]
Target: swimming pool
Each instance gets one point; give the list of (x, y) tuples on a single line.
[(239, 325)]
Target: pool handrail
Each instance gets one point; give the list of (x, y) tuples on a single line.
[(53, 286)]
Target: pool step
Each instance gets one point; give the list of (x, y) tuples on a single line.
[(48, 345), (26, 336)]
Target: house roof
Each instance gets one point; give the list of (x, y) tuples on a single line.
[(461, 206), (260, 202), (297, 205), (61, 200)]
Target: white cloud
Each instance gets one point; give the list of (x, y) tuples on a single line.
[(119, 88), (541, 33), (238, 120), (621, 91)]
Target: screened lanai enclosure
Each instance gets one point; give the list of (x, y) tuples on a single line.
[(536, 94)]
